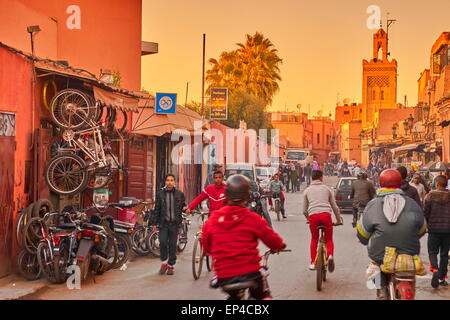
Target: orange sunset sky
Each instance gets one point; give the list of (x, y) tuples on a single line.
[(322, 44)]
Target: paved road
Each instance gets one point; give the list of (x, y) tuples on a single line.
[(289, 274)]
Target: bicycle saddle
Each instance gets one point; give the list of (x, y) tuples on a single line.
[(240, 285), (93, 227), (321, 227)]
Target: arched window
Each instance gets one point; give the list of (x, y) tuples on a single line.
[(374, 95), (382, 95)]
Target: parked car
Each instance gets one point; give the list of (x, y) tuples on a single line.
[(263, 175), (342, 193), (246, 169)]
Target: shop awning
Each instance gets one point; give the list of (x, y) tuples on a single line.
[(152, 124), (406, 147), (116, 100)]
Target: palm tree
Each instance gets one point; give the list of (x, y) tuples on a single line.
[(253, 66)]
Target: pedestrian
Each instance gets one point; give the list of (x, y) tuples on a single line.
[(293, 178), (437, 214), (300, 176), (170, 203), (419, 186), (210, 178), (409, 190), (308, 172), (287, 177), (315, 165)]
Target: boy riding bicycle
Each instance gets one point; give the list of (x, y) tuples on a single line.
[(318, 205)]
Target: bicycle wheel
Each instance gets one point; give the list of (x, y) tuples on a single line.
[(319, 266), (197, 258), (112, 256), (60, 262), (72, 109), (66, 174), (182, 238), (32, 234), (208, 262), (124, 251), (28, 265), (277, 209), (21, 223), (44, 256), (139, 241), (153, 244)]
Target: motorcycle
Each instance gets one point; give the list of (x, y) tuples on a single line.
[(258, 204), (97, 249)]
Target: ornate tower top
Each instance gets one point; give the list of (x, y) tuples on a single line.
[(380, 41)]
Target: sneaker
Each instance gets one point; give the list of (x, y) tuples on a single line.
[(312, 267), (330, 264), (354, 224), (163, 268), (284, 216), (170, 270), (435, 280), (443, 283)]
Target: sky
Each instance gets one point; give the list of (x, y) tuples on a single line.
[(322, 44)]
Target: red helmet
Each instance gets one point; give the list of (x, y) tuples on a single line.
[(390, 178)]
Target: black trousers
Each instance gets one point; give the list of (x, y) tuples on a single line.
[(168, 236), (259, 292), (439, 243)]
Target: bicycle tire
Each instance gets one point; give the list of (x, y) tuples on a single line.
[(44, 92), (74, 160), (32, 235), (43, 255), (69, 119), (197, 260), (277, 209), (182, 238), (60, 262), (28, 266), (124, 251), (319, 266), (208, 262), (113, 255), (139, 241), (41, 207), (21, 222), (123, 128), (153, 244), (111, 121), (99, 115)]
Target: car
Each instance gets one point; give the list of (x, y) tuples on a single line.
[(263, 175), (342, 193), (246, 169)]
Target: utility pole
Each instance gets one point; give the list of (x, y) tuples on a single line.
[(187, 90), (203, 74)]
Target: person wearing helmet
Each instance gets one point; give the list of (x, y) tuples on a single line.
[(391, 219), (231, 235), (362, 192)]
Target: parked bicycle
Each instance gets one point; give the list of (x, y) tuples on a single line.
[(198, 255)]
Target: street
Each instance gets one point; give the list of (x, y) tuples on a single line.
[(289, 275)]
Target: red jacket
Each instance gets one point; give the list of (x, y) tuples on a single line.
[(230, 237), (216, 196)]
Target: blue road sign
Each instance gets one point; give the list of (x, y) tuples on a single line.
[(166, 103)]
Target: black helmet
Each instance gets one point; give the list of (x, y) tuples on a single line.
[(238, 188)]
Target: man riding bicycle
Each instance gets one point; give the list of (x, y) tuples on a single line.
[(277, 188), (230, 237), (362, 192), (215, 193), (318, 205), (391, 219)]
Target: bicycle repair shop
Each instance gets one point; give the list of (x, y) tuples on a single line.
[(29, 136)]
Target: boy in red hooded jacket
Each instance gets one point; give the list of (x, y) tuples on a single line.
[(230, 237)]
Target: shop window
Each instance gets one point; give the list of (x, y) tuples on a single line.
[(346, 112)]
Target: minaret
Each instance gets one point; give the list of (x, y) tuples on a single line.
[(379, 80)]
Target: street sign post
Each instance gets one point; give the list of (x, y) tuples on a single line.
[(166, 103), (219, 103)]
